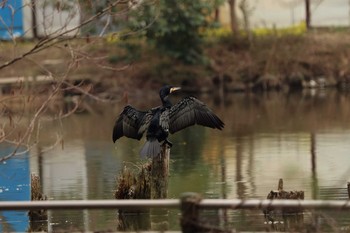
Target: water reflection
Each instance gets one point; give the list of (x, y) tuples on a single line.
[(303, 138), (14, 186)]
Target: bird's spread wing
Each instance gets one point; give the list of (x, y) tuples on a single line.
[(146, 121), (164, 119), (131, 123), (190, 111)]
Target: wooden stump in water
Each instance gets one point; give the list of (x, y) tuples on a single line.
[(283, 217), (159, 187), (190, 212), (190, 216), (281, 194), (133, 185), (160, 173), (38, 218), (150, 182)]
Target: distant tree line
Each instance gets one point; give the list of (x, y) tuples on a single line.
[(174, 26)]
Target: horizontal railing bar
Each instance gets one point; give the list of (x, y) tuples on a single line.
[(262, 204), (12, 80), (89, 204), (173, 203)]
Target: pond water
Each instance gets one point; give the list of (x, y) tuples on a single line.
[(303, 138)]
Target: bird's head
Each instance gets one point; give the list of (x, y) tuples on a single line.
[(165, 91)]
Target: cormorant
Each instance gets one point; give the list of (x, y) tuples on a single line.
[(158, 122)]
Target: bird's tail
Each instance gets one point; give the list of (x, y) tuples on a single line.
[(150, 149)]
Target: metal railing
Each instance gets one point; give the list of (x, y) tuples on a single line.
[(175, 203)]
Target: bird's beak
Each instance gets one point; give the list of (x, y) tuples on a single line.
[(174, 89)]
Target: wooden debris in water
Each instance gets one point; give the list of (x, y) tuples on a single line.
[(283, 217), (281, 194)]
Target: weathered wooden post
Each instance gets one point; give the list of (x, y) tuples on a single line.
[(151, 182), (291, 217), (189, 212), (190, 219), (160, 173), (159, 187), (132, 185), (38, 218), (349, 189)]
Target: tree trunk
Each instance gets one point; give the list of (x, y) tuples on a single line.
[(233, 17), (217, 15), (308, 14), (34, 23)]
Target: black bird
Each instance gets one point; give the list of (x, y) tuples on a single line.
[(158, 122)]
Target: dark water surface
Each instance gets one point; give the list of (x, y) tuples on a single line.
[(303, 138)]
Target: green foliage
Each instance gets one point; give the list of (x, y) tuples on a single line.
[(174, 26), (297, 30)]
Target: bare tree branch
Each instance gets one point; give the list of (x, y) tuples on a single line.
[(30, 135)]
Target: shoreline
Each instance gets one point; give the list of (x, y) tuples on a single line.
[(313, 60)]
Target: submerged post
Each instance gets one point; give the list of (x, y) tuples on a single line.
[(190, 218), (190, 212), (160, 173)]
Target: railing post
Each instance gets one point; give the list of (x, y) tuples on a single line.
[(190, 212)]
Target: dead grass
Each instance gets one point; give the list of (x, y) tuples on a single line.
[(36, 192), (312, 55), (134, 184)]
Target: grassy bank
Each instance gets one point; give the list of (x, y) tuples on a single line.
[(264, 62)]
